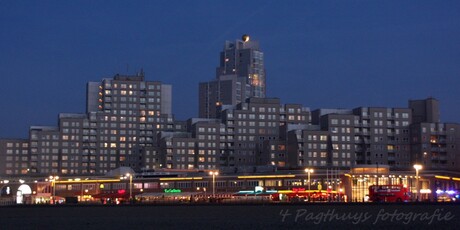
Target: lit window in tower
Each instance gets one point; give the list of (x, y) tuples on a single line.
[(255, 80)]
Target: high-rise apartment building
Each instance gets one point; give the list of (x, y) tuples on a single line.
[(240, 75), (129, 122), (345, 138), (436, 145), (129, 114), (45, 149), (248, 125), (383, 136), (124, 116), (14, 156), (198, 148), (275, 152)]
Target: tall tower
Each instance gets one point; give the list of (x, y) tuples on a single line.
[(240, 75), (244, 59)]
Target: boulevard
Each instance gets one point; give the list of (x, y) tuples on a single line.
[(233, 216)]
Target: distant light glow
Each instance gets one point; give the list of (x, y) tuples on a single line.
[(425, 191), (245, 38), (442, 177)]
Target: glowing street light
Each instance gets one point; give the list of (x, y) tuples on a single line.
[(130, 176), (309, 171), (417, 167), (213, 174), (130, 186), (53, 180)]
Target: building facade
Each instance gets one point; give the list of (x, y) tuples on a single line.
[(14, 156), (129, 123), (240, 75)]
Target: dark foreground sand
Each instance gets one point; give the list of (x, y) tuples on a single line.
[(256, 216)]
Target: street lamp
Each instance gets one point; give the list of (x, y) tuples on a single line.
[(130, 186), (417, 167), (309, 171), (213, 174), (126, 176), (53, 180)]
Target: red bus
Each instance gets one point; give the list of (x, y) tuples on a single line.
[(388, 193)]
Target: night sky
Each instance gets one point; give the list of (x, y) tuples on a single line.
[(321, 54)]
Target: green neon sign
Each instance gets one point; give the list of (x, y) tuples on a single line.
[(172, 190)]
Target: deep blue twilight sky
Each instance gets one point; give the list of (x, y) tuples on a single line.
[(322, 54)]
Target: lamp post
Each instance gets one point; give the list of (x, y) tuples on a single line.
[(130, 186), (53, 180), (126, 176), (213, 174), (309, 171), (417, 167)]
